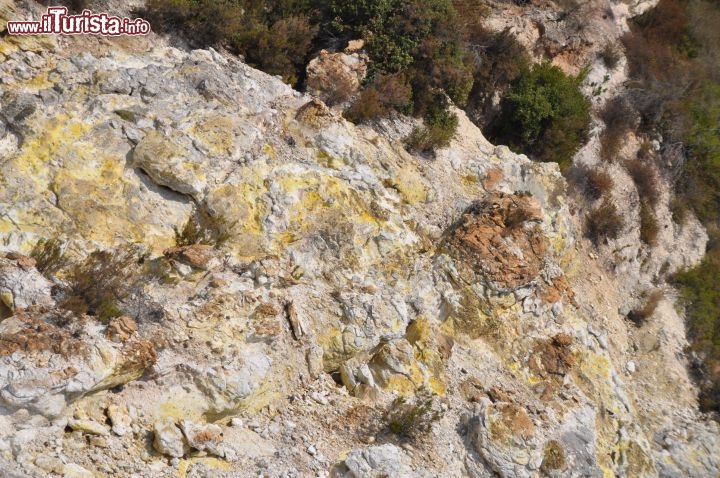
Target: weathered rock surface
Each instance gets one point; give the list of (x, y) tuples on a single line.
[(43, 366), (347, 261)]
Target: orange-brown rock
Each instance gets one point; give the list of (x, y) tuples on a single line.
[(198, 256), (120, 329), (501, 240), (553, 356), (30, 334)]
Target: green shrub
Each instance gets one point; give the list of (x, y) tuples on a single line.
[(274, 36), (700, 289), (438, 131), (498, 64), (417, 54), (544, 115)]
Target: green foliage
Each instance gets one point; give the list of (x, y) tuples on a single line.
[(700, 287), (701, 186), (498, 64), (439, 129), (412, 419), (417, 55), (544, 114)]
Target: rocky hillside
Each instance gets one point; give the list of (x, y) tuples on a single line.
[(207, 273)]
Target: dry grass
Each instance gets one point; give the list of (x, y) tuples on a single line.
[(598, 183), (604, 222), (646, 179), (650, 302), (649, 227)]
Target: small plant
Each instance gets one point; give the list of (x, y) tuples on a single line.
[(544, 114), (649, 228), (439, 129), (204, 229), (611, 56), (619, 118), (99, 284), (646, 180), (412, 419), (604, 222), (49, 256), (597, 184), (650, 302)]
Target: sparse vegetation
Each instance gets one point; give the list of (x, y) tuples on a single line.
[(604, 222), (619, 118), (49, 256), (649, 228), (673, 52), (598, 183), (202, 228), (439, 128), (410, 419), (646, 180), (650, 301), (99, 284), (611, 55)]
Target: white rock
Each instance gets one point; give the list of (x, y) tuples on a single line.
[(169, 440)]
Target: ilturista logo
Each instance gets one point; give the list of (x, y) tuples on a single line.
[(57, 21)]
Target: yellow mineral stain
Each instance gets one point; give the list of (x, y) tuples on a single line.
[(209, 461)]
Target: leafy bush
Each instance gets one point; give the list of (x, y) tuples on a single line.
[(439, 129), (700, 288), (275, 36), (700, 184), (498, 63), (603, 222), (544, 114)]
